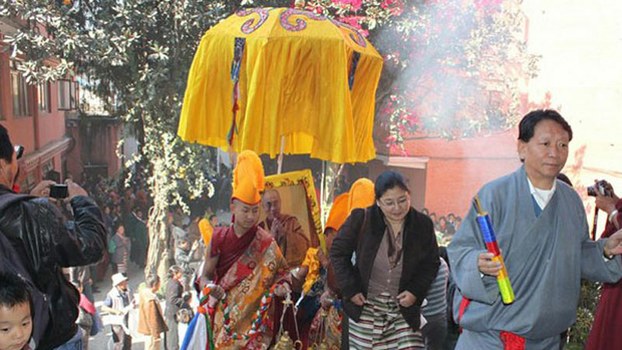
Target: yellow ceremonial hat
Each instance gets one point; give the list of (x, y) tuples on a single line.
[(248, 178), (338, 212), (361, 194)]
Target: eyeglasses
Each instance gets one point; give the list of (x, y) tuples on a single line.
[(19, 151), (392, 203)]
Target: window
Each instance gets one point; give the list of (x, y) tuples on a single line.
[(47, 167), (67, 95), (19, 92), (43, 90)]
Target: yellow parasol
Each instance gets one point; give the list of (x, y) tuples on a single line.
[(283, 81)]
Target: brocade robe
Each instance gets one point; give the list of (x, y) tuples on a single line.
[(255, 271)]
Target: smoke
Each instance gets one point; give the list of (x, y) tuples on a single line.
[(452, 69)]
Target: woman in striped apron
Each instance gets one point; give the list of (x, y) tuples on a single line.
[(396, 260)]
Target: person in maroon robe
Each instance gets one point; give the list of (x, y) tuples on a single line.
[(609, 311), (242, 263)]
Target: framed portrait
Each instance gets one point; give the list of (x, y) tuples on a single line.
[(298, 198)]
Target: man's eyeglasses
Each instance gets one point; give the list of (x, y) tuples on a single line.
[(19, 151)]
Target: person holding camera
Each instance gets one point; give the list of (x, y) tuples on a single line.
[(39, 241), (609, 311)]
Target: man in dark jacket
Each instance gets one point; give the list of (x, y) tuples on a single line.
[(44, 242)]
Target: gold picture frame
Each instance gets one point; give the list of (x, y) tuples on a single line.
[(297, 187)]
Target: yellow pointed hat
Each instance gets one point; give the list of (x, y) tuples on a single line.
[(361, 194), (338, 212), (248, 178)]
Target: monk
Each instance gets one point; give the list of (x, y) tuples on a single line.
[(285, 228), (242, 262)]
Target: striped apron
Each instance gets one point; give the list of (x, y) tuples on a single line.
[(382, 327)]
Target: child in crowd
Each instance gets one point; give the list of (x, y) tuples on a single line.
[(86, 315), (16, 315)]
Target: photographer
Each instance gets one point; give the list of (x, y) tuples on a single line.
[(609, 312), (36, 241)]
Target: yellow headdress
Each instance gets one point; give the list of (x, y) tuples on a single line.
[(248, 178), (361, 194)]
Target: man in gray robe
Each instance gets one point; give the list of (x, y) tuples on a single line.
[(541, 229)]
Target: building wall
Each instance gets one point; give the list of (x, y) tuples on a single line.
[(453, 170), (94, 148), (41, 133)]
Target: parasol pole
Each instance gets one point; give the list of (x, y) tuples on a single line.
[(323, 194), (327, 188), (280, 157), (217, 161)]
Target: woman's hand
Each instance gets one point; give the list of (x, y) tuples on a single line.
[(358, 299), (406, 299)]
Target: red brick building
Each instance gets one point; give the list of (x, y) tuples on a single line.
[(444, 175), (44, 119)]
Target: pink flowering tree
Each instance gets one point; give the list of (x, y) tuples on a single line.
[(453, 69)]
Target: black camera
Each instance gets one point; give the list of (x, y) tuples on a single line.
[(59, 191), (601, 187)]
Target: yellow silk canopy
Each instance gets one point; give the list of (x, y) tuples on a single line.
[(286, 72)]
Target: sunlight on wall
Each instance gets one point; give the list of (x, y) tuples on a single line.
[(581, 47)]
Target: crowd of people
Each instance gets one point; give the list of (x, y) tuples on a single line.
[(378, 280)]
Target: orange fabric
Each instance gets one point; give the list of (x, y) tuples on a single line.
[(248, 178), (338, 212), (206, 230), (361, 194)]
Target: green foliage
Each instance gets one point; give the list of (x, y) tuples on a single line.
[(453, 69), (578, 333), (135, 55)]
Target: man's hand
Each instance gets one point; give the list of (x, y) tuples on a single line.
[(282, 290), (358, 299), (216, 291), (42, 189), (487, 266), (614, 244), (406, 299), (73, 189)]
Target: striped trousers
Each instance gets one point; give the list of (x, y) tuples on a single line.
[(382, 327)]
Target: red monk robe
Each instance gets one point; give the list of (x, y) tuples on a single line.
[(608, 319), (247, 267)]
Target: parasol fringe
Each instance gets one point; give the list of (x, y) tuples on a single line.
[(238, 53)]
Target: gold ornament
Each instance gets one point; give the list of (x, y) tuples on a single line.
[(284, 343)]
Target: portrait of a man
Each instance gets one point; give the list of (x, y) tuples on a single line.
[(285, 228)]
